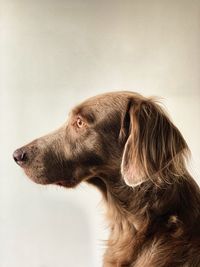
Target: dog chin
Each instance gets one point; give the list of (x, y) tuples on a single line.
[(38, 179)]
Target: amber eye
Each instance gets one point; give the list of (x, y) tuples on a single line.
[(80, 123)]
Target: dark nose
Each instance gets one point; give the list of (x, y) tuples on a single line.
[(20, 156)]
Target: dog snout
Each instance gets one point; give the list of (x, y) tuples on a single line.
[(20, 156)]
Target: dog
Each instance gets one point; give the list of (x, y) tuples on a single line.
[(125, 145)]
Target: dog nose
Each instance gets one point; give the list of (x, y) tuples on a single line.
[(20, 156)]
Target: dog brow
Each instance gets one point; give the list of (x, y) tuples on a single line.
[(87, 114)]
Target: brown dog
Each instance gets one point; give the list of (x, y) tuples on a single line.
[(126, 146)]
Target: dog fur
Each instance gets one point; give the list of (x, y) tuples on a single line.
[(125, 145)]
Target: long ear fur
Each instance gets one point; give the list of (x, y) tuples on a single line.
[(155, 149)]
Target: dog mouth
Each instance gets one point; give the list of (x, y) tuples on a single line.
[(69, 183), (39, 176)]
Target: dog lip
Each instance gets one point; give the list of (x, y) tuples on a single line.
[(61, 183), (21, 163), (66, 183)]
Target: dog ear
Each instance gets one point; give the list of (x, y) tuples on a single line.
[(154, 145)]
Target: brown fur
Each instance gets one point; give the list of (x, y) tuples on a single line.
[(126, 146)]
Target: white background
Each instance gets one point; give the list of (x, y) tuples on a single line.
[(57, 53)]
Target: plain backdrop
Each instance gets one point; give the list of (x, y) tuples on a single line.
[(55, 54)]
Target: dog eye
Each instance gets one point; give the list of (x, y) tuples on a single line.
[(80, 123)]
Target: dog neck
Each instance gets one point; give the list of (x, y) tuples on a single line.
[(139, 215), (125, 219)]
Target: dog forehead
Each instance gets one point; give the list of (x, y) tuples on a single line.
[(103, 103)]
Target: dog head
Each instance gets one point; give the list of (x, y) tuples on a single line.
[(110, 134)]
